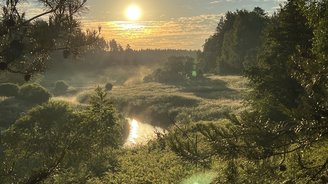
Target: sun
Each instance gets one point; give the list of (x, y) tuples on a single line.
[(133, 12)]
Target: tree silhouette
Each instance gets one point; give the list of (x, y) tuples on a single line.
[(28, 42), (113, 46)]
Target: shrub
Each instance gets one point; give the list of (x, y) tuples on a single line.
[(33, 93), (8, 89), (109, 86), (44, 131), (56, 134), (61, 87)]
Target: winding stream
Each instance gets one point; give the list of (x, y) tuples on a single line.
[(139, 133)]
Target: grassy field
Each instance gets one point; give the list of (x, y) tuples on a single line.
[(160, 104)]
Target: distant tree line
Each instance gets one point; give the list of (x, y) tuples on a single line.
[(119, 55), (112, 53)]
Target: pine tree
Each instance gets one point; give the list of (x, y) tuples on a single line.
[(285, 126)]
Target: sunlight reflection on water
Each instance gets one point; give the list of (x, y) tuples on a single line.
[(133, 135), (141, 133)]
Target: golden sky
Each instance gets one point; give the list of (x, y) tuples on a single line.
[(177, 33), (176, 24)]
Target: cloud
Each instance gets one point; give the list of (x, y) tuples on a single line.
[(215, 2), (177, 33)]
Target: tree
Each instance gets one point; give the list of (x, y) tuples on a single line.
[(270, 125), (53, 139), (312, 68), (113, 46), (27, 43), (128, 48), (283, 133), (210, 52), (103, 116), (234, 45)]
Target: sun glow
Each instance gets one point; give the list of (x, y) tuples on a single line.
[(133, 12)]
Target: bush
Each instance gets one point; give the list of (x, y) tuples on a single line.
[(61, 87), (8, 89), (109, 86), (44, 131), (33, 93), (54, 132)]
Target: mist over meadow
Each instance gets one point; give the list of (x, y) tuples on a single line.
[(249, 106)]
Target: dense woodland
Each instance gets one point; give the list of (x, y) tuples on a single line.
[(235, 44), (265, 124)]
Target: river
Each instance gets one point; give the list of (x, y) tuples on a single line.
[(140, 133)]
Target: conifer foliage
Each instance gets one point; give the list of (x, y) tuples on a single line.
[(28, 41), (284, 131)]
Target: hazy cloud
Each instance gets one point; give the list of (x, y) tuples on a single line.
[(215, 2), (183, 32)]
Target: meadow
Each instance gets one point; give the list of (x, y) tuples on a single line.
[(166, 106)]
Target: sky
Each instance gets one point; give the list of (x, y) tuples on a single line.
[(176, 24)]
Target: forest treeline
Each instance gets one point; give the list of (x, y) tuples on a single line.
[(114, 54)]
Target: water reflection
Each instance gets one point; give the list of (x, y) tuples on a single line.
[(140, 133), (133, 135)]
